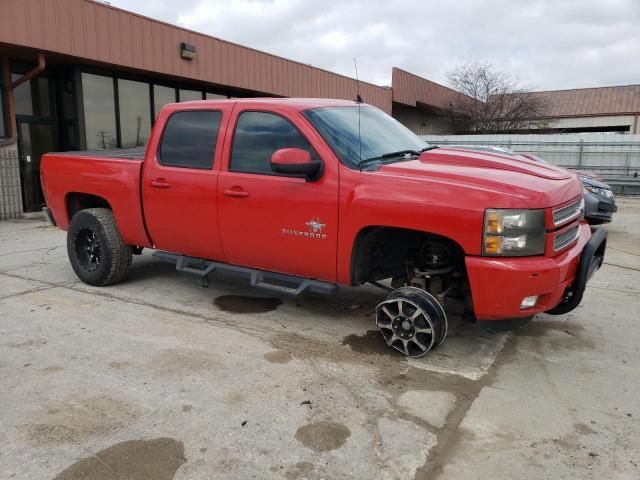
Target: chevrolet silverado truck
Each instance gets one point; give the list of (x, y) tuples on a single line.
[(309, 194)]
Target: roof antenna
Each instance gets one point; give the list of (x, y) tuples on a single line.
[(358, 97), (359, 102)]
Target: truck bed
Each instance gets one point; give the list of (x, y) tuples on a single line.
[(135, 153), (112, 175)]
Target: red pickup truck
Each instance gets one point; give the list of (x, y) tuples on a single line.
[(307, 194)]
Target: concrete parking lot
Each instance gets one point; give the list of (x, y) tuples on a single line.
[(160, 378)]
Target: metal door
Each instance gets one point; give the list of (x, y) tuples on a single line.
[(34, 139)]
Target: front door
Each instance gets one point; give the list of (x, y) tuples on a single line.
[(35, 108), (274, 222), (34, 140), (179, 181)]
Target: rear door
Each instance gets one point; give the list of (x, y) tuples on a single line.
[(270, 221), (179, 182)]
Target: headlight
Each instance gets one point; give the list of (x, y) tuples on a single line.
[(592, 189), (513, 233), (603, 192)]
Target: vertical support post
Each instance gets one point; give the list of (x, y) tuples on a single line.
[(79, 105), (627, 164), (12, 128), (580, 152)]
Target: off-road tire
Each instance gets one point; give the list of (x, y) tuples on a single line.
[(110, 261)]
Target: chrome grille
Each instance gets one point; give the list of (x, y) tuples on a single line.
[(563, 239), (567, 213)]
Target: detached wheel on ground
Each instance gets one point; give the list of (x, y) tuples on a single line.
[(96, 251), (412, 321)]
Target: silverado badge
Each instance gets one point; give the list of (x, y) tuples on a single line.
[(315, 230), (314, 225)]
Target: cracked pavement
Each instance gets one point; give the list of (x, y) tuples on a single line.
[(160, 378)]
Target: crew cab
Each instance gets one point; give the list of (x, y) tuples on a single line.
[(309, 194)]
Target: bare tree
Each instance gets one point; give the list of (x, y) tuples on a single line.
[(493, 101)]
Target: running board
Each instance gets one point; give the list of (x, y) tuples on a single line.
[(278, 282)]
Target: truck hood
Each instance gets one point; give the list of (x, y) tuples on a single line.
[(447, 156), (538, 185)]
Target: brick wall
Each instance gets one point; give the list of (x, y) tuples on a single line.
[(10, 192)]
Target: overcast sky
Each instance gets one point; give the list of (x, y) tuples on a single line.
[(549, 44)]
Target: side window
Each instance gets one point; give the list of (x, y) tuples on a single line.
[(257, 136), (189, 139)]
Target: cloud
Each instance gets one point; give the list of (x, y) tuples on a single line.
[(548, 44)]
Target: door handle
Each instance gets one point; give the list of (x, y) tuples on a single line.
[(235, 192), (160, 183)]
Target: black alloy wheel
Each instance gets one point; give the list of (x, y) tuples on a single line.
[(412, 321), (97, 253), (87, 248)]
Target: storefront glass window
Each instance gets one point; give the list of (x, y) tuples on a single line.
[(189, 95), (161, 96), (135, 113), (99, 112), (32, 98), (215, 96)]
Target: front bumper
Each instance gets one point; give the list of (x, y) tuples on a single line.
[(498, 285), (598, 209)]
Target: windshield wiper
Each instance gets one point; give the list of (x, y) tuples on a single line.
[(401, 153), (377, 161), (430, 147), (406, 154)]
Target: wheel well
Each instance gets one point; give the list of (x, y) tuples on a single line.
[(382, 252), (77, 201)]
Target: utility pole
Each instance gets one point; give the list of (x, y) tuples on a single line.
[(103, 135)]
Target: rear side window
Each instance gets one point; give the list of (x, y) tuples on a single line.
[(189, 139), (257, 136)]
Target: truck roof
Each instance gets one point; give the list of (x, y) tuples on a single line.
[(297, 103), (137, 153)]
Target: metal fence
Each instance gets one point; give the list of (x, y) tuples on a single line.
[(612, 156), (10, 192)]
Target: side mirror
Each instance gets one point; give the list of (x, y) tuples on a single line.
[(296, 162)]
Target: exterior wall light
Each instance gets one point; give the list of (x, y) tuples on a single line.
[(187, 51)]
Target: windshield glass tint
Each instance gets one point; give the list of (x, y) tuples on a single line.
[(379, 132)]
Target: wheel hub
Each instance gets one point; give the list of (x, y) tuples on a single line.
[(88, 251), (92, 250), (403, 327)]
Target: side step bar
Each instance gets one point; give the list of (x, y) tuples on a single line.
[(278, 282)]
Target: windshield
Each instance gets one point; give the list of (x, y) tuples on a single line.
[(380, 134)]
